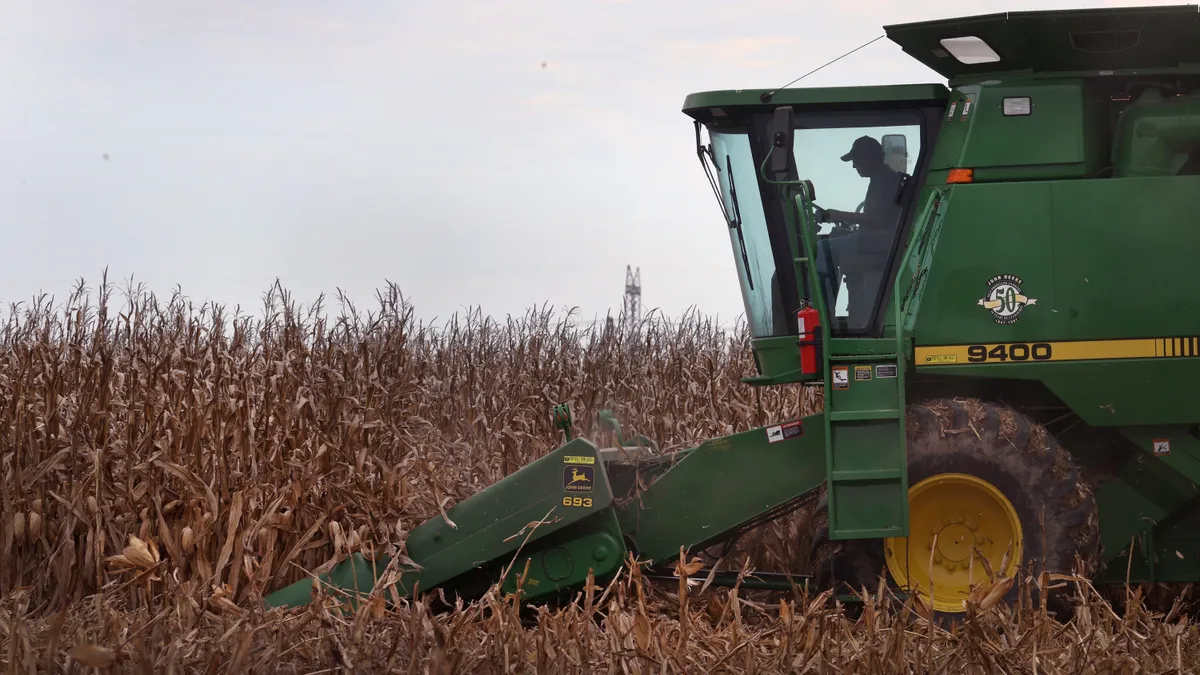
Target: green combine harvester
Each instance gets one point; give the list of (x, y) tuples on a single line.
[(995, 283)]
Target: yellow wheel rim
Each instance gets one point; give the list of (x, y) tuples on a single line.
[(960, 511)]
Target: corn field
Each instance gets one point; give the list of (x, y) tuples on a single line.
[(166, 466)]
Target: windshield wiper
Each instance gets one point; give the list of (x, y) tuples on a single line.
[(736, 221)]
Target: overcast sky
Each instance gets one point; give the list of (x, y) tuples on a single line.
[(479, 153)]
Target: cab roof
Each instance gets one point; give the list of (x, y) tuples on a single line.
[(1101, 40), (705, 104)]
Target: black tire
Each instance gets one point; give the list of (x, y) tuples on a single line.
[(1020, 458), (1161, 597)]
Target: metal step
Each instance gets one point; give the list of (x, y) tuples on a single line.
[(843, 358), (866, 474), (860, 415)]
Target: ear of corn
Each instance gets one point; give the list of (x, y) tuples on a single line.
[(167, 465)]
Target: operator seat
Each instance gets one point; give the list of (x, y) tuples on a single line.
[(864, 266), (864, 269), (864, 277)]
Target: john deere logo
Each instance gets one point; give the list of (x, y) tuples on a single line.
[(578, 478), (1004, 298)]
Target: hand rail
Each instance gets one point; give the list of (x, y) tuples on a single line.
[(917, 248)]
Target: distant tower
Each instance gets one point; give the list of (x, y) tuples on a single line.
[(633, 298)]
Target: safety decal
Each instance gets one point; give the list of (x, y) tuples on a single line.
[(885, 371), (579, 459), (1162, 447), (950, 115), (579, 478), (1004, 298), (782, 432), (862, 372), (966, 109), (841, 377)]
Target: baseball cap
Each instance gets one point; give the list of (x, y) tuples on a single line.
[(864, 146)]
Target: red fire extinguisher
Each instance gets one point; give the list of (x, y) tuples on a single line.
[(809, 323)]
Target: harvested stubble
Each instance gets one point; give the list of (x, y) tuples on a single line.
[(166, 466)]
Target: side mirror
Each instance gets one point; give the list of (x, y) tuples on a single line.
[(895, 152), (782, 133)]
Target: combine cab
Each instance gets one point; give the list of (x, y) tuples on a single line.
[(995, 281)]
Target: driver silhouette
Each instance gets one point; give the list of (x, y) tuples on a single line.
[(881, 208)]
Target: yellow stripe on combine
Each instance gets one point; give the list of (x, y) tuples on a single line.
[(1034, 352), (1188, 346)]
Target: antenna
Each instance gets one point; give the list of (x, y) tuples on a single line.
[(633, 299)]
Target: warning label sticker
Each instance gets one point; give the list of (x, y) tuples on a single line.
[(841, 377), (782, 432)]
